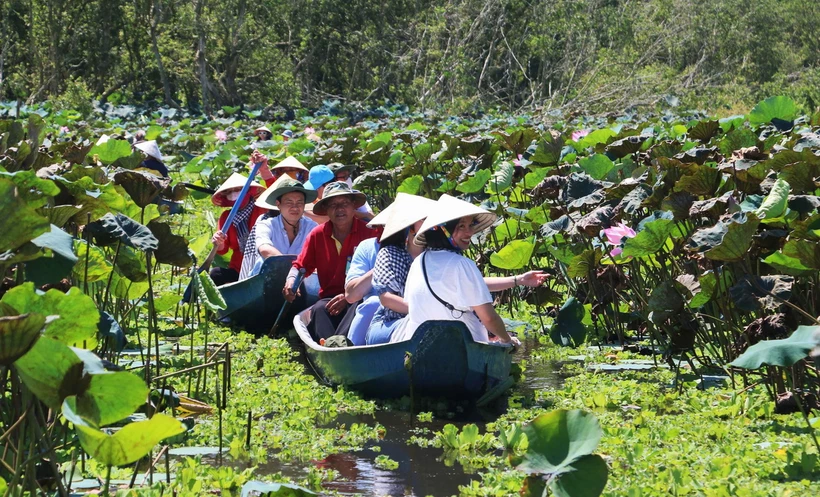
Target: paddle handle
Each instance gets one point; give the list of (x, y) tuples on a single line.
[(242, 193), (296, 282)]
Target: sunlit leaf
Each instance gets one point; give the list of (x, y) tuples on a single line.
[(778, 107), (514, 255), (475, 183), (501, 180), (783, 353), (18, 334), (569, 329)]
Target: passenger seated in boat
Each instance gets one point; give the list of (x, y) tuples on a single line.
[(344, 173), (328, 251), (290, 166), (393, 263), (237, 236), (444, 285), (359, 280), (281, 232)]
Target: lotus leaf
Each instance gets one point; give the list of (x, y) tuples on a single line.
[(19, 222), (411, 185), (475, 183), (209, 295), (110, 330), (779, 107), (595, 221), (110, 151), (274, 490), (173, 249), (552, 228), (507, 230), (783, 352), (786, 264), (805, 251), (143, 187), (560, 444), (501, 180), (548, 150), (625, 146), (580, 185), (664, 302), (584, 263), (98, 266), (596, 165), (52, 269), (804, 204), (33, 190), (774, 205), (800, 176), (679, 204), (752, 293), (131, 264), (650, 239), (111, 397), (702, 180), (514, 255), (59, 215), (703, 131), (77, 325), (634, 200), (569, 329), (52, 371), (726, 241), (18, 334), (128, 231), (127, 445), (597, 137)]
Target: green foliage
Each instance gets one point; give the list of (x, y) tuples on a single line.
[(779, 107), (514, 255), (783, 352)]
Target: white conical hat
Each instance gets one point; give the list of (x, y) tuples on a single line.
[(406, 211), (382, 217), (235, 182), (292, 162), (448, 208), (150, 148)]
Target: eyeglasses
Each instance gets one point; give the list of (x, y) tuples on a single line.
[(342, 204)]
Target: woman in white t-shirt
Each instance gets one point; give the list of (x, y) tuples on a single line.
[(444, 285)]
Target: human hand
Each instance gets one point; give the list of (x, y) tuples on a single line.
[(513, 340), (337, 304), (219, 239), (257, 157), (288, 292), (532, 278)]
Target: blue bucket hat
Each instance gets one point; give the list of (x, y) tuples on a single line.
[(319, 175)]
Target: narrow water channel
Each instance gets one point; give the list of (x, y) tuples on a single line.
[(421, 470)]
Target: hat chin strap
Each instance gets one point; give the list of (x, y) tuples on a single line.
[(449, 237)]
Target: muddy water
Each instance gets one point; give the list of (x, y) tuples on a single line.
[(421, 471)]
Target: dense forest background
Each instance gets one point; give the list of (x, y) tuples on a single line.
[(459, 55)]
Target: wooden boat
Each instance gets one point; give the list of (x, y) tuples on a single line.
[(441, 360), (254, 303)]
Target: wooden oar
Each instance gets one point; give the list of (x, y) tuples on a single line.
[(226, 226), (286, 305)]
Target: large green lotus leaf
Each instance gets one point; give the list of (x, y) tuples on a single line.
[(678, 203), (77, 325), (596, 165), (581, 185), (597, 137), (131, 264), (800, 176), (584, 263), (587, 478), (558, 439), (173, 249), (123, 288), (548, 150), (664, 302), (507, 230), (52, 371), (110, 151), (476, 182), (783, 352), (110, 331), (45, 270), (753, 293), (514, 255), (34, 190), (778, 107), (774, 205), (18, 334), (411, 185), (650, 239), (128, 231), (143, 187), (569, 329), (736, 242), (634, 200), (552, 228), (274, 490), (737, 139), (805, 251), (209, 295), (625, 146), (131, 443), (501, 180), (703, 131), (533, 486), (786, 264), (19, 222), (112, 396), (703, 180), (98, 265), (59, 215)]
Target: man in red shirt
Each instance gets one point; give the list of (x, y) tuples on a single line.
[(328, 250)]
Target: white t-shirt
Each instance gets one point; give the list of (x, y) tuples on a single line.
[(456, 280)]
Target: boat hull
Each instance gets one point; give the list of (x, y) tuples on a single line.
[(440, 360), (254, 303)]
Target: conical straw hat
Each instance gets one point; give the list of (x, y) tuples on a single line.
[(150, 148), (235, 182), (448, 208), (291, 162), (382, 217), (408, 210)]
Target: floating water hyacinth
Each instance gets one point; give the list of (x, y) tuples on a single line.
[(616, 236), (221, 135)]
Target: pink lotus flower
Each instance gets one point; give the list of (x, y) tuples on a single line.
[(577, 135), (64, 129), (517, 162), (309, 130), (221, 135), (616, 235)]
